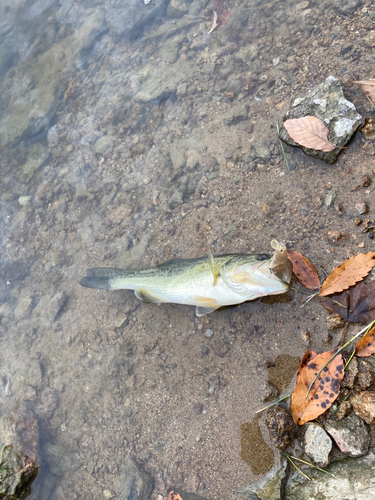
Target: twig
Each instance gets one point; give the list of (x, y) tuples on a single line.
[(312, 465), (309, 298), (282, 148), (294, 465), (274, 403)]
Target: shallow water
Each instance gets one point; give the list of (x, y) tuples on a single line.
[(129, 136)]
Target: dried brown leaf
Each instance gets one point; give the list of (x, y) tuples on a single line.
[(221, 15), (304, 271), (348, 273), (356, 305), (366, 345), (325, 389), (367, 87), (174, 496), (310, 132)]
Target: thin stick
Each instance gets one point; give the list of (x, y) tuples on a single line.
[(365, 329), (309, 298), (294, 465), (312, 465), (282, 148), (274, 403), (349, 360)]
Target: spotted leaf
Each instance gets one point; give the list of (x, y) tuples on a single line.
[(366, 345), (325, 389), (174, 496)]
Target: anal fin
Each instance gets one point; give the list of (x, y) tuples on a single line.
[(145, 296), (205, 306)]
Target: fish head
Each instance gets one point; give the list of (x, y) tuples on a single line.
[(252, 276)]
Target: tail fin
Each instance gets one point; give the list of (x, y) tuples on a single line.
[(100, 277)]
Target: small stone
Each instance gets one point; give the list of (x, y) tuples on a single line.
[(351, 373), (305, 336), (335, 321), (344, 410), (136, 482), (365, 379), (276, 61), (209, 333), (334, 235), (364, 406), (281, 427), (198, 408), (366, 181), (358, 221), (108, 494), (361, 207), (350, 434), (317, 444), (361, 245)]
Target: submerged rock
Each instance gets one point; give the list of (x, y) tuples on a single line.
[(19, 456), (136, 483), (328, 103)]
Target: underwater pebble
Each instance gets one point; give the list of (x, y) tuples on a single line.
[(209, 333)]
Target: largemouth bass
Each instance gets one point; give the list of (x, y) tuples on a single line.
[(208, 282)]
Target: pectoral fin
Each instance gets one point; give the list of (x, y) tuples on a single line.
[(205, 306), (145, 296), (215, 272)]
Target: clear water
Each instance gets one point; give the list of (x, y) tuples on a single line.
[(129, 136)]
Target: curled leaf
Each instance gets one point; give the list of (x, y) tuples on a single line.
[(366, 345), (325, 389), (348, 273), (309, 132), (221, 15), (304, 271)]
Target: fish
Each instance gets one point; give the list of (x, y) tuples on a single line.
[(207, 283)]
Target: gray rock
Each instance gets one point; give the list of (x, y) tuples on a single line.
[(103, 144), (269, 487), (350, 434), (317, 444), (165, 80), (170, 48), (261, 150), (347, 6), (175, 200), (353, 480), (326, 102), (177, 8), (136, 483), (236, 114), (127, 17)]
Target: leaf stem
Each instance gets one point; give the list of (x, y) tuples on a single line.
[(312, 465), (294, 465)]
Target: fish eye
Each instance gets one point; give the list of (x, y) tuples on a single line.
[(263, 256)]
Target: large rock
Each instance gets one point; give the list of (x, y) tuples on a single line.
[(350, 434), (136, 483), (317, 444), (281, 427), (164, 80), (353, 479), (328, 103), (268, 487), (19, 456)]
